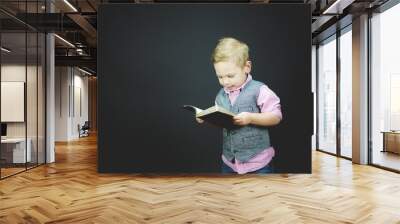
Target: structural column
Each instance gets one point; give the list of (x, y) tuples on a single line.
[(360, 90), (50, 92)]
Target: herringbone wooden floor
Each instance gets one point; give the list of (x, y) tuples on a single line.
[(71, 191)]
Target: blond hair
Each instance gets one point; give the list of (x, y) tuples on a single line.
[(230, 49)]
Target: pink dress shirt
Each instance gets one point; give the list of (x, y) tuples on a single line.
[(267, 101)]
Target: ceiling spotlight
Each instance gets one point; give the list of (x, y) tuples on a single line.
[(5, 50), (70, 5), (84, 71), (64, 40), (337, 7)]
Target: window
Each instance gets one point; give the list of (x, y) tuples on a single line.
[(346, 93), (385, 85), (327, 95)]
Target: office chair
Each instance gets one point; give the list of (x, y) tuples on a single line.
[(84, 130)]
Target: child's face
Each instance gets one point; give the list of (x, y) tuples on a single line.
[(230, 75)]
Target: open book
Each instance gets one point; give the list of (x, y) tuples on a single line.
[(215, 115)]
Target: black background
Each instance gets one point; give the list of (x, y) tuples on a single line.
[(154, 58)]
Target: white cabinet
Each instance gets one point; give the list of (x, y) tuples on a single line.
[(17, 145)]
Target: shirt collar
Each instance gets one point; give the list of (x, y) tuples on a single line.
[(241, 87)]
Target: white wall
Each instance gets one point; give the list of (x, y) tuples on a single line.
[(79, 102), (17, 73), (33, 126), (61, 103), (71, 93), (14, 73)]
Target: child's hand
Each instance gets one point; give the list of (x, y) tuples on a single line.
[(243, 118), (199, 120)]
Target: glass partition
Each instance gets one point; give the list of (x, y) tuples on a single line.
[(14, 153), (22, 77)]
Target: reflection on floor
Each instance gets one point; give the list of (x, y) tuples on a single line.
[(72, 191), (386, 159), (11, 169)]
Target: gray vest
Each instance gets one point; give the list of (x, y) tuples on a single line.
[(244, 142)]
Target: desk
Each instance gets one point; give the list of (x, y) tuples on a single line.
[(391, 141), (13, 150)]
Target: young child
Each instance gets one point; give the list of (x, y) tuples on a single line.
[(248, 148)]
